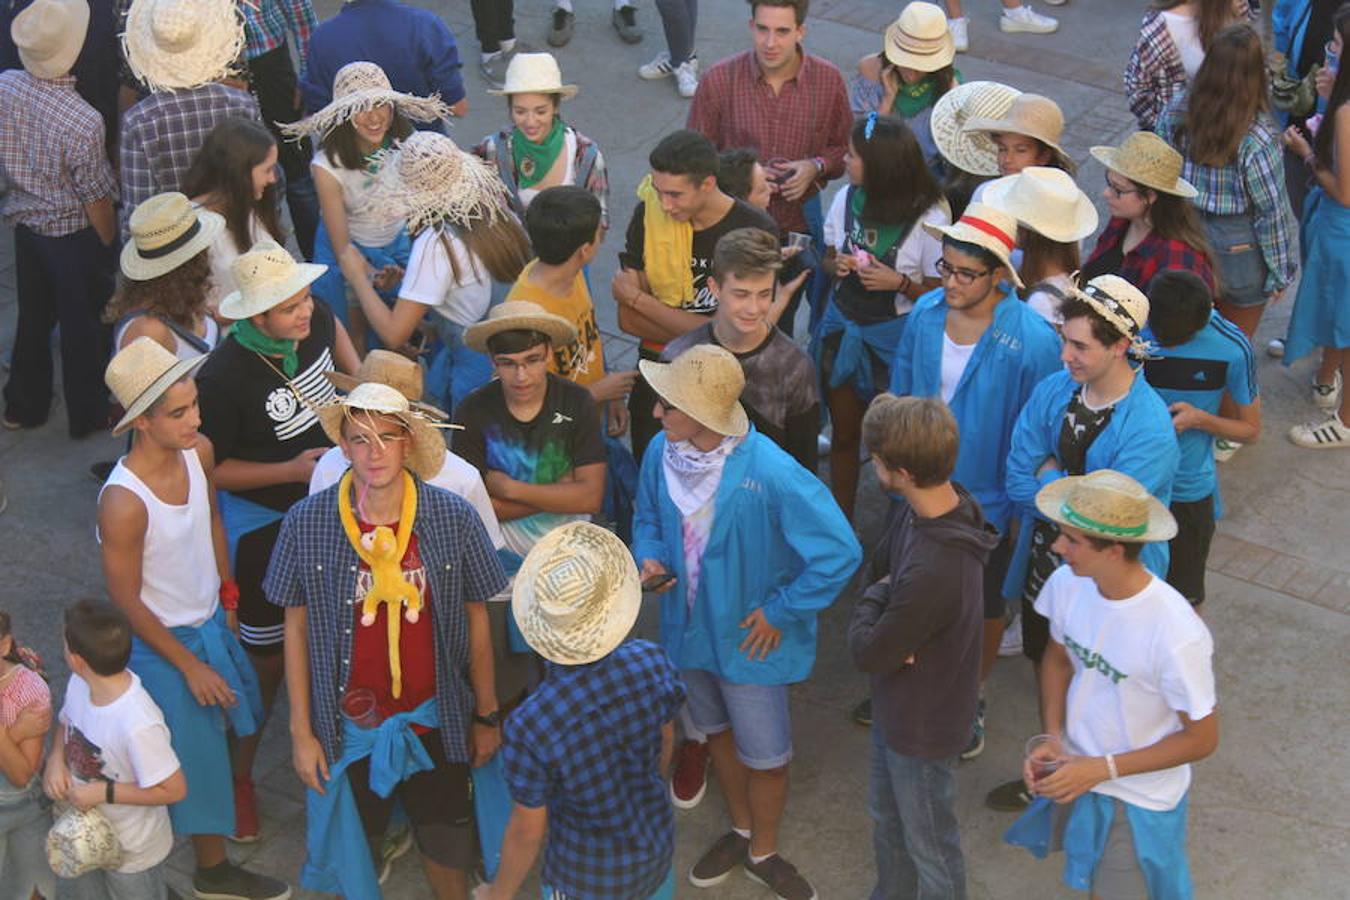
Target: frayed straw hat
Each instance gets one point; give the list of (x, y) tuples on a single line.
[(362, 86), (1120, 303), (1147, 159), (577, 594), (139, 375), (179, 44), (920, 39), (428, 179), (426, 448), (49, 35), (973, 152), (81, 841), (1107, 504), (519, 315), (534, 73), (166, 231), (266, 275), (1031, 115), (705, 383), (389, 368), (986, 227), (1045, 200)]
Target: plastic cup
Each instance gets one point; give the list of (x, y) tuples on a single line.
[(359, 707), (1044, 753), (798, 241)]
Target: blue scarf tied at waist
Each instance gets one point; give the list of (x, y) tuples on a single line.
[(241, 517), (852, 362)]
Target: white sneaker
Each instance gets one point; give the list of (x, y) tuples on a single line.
[(658, 68), (1327, 396), (1024, 19), (1056, 2), (1224, 449), (1330, 434), (1275, 349), (686, 78), (960, 29), (1011, 645)]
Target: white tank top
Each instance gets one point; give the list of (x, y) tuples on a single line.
[(179, 580)]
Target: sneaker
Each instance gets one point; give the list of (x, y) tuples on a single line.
[(689, 782), (1224, 449), (245, 812), (1275, 349), (1024, 19), (561, 32), (1011, 644), (781, 877), (1327, 396), (976, 745), (1062, 2), (862, 713), (229, 882), (1330, 434), (686, 78), (493, 66), (625, 23), (720, 861), (396, 844), (1010, 797), (960, 29), (658, 68)]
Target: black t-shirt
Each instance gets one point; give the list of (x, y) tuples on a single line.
[(250, 412)]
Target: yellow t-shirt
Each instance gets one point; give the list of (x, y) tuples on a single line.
[(584, 361)]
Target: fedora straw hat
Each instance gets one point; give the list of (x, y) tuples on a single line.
[(986, 227), (577, 594), (1045, 200), (1031, 115), (534, 73), (166, 231), (49, 36), (426, 448), (1118, 302), (266, 275), (393, 369), (139, 375), (361, 86), (1107, 504), (1147, 159), (972, 152), (427, 179), (920, 39), (179, 44), (519, 315), (705, 383)]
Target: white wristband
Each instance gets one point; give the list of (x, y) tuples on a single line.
[(1111, 766)]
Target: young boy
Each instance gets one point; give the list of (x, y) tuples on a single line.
[(112, 751), (917, 631)]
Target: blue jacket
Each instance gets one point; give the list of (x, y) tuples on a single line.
[(1016, 351), (1139, 441), (778, 541)]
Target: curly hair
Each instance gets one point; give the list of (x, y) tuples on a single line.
[(178, 295)]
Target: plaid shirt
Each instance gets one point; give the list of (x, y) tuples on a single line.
[(587, 745), (266, 27), (313, 565), (1154, 74), (808, 117), (1153, 254), (52, 154)]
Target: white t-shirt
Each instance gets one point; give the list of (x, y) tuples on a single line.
[(369, 222), (1137, 663), (1046, 303), (1185, 34), (429, 279), (955, 358), (224, 251), (126, 741), (918, 254)]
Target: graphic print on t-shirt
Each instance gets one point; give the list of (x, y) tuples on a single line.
[(293, 414), (84, 758), (1094, 661), (543, 463)]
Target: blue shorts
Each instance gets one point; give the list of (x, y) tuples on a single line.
[(757, 715)]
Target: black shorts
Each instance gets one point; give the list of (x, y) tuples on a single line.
[(995, 570), (262, 625), (1190, 548), (1041, 564)]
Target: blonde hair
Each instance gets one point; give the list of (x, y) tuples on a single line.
[(917, 434)]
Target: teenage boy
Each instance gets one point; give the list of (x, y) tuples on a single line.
[(112, 751), (918, 633), (1127, 686), (1198, 356), (411, 644), (165, 564), (757, 549), (584, 755), (681, 215)]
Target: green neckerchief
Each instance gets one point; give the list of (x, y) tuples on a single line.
[(250, 338), (534, 161), (883, 237), (913, 99), (371, 163)]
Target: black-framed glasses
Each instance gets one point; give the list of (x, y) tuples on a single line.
[(1119, 192), (964, 277)]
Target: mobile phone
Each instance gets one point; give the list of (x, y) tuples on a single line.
[(655, 582)]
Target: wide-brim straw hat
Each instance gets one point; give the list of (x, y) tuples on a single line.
[(179, 44), (426, 446), (1147, 159), (973, 152), (1045, 200), (986, 227), (577, 594), (139, 375), (267, 275), (81, 841), (166, 231), (1118, 302), (361, 86), (1107, 504), (393, 369), (519, 315), (1031, 115), (920, 39), (534, 73), (49, 36), (426, 179), (705, 383)]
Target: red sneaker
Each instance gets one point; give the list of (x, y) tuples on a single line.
[(245, 812), (690, 780)]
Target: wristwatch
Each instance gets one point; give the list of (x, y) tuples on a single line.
[(491, 720)]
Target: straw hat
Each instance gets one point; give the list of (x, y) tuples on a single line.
[(986, 227), (81, 841), (577, 594), (920, 39), (705, 383), (1045, 200), (427, 179), (1118, 302), (394, 369), (179, 44), (426, 448), (972, 152), (1107, 504), (139, 375), (1149, 160), (534, 73), (49, 36), (1030, 114), (519, 315), (266, 275), (362, 86), (166, 231)]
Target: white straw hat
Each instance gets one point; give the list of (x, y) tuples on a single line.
[(180, 44), (971, 152), (49, 35), (1107, 504), (1047, 201), (266, 275), (705, 383), (393, 369), (427, 179), (577, 594), (1120, 303), (166, 231), (139, 375), (519, 315), (534, 73), (1147, 159), (426, 445), (1031, 115), (986, 227), (81, 841), (361, 86), (920, 39)]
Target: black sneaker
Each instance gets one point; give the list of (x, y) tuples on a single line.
[(561, 32), (1011, 796), (625, 23), (720, 861), (976, 745), (862, 713), (229, 882), (781, 877)]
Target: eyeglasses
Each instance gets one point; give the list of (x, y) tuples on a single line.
[(1118, 192), (510, 365), (964, 277)]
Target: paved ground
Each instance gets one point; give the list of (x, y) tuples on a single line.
[(1269, 809)]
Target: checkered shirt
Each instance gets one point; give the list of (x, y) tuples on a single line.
[(587, 745), (51, 153), (1154, 74), (266, 28), (1153, 254), (313, 565)]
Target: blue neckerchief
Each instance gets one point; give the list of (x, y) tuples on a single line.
[(241, 517)]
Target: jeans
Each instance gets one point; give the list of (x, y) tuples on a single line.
[(679, 19), (105, 884), (912, 802), (493, 22)]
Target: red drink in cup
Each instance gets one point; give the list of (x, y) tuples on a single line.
[(1044, 754), (358, 705)]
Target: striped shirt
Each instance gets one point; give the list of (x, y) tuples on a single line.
[(266, 27)]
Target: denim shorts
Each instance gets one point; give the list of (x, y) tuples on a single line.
[(757, 715), (104, 884), (1241, 267)]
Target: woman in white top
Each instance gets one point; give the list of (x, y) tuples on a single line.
[(1173, 38)]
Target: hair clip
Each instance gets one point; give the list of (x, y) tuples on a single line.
[(870, 126)]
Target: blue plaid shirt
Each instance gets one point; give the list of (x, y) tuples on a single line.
[(587, 745), (265, 28), (313, 565)]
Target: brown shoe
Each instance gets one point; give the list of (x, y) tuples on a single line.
[(720, 860), (781, 877)]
